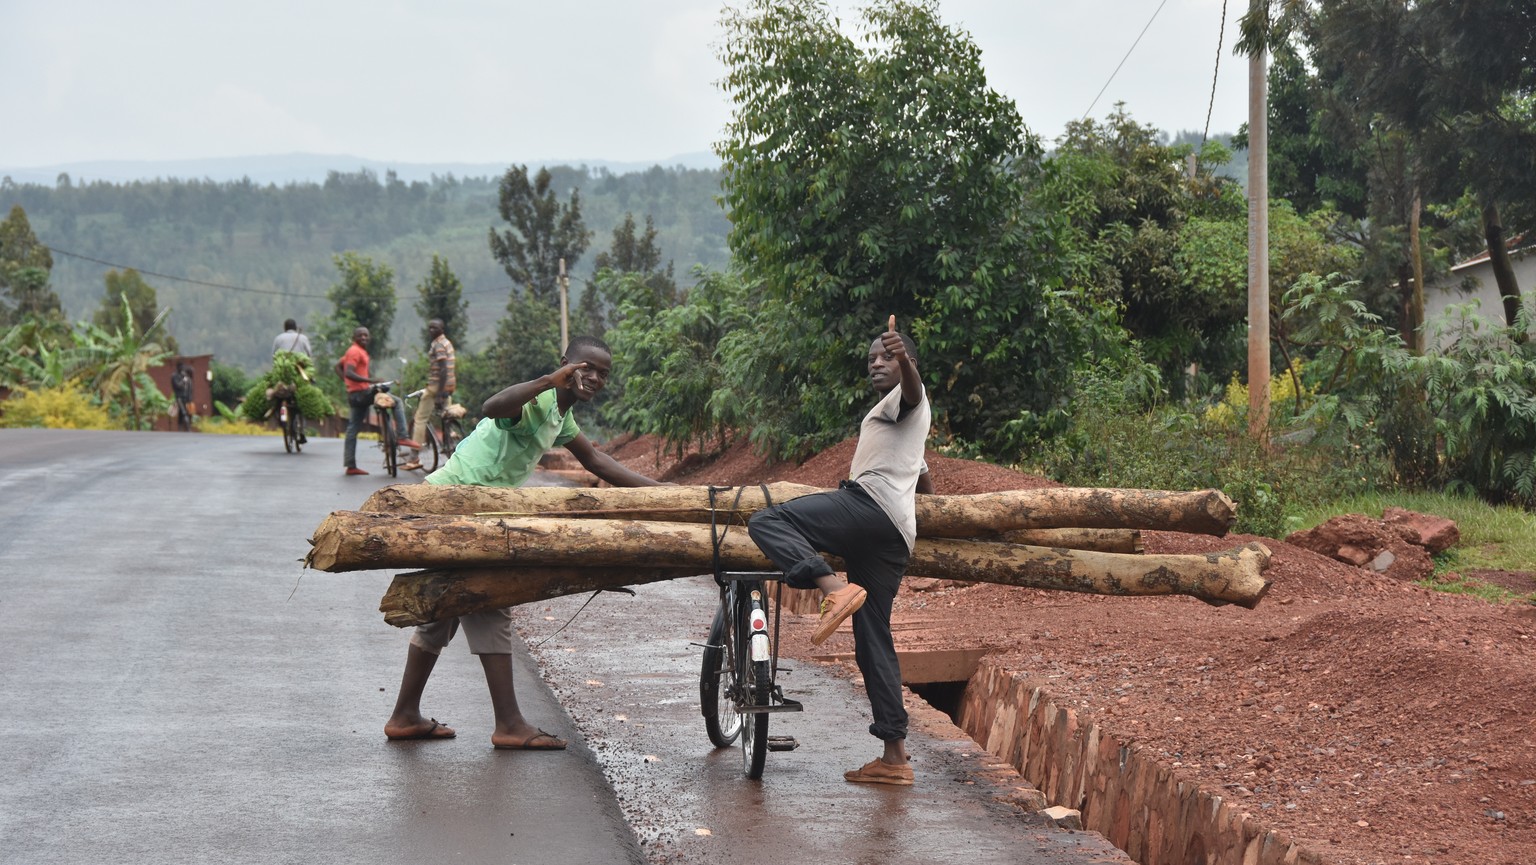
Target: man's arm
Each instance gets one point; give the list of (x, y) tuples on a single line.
[(605, 466), (349, 372), (509, 402)]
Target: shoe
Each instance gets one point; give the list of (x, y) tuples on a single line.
[(303, 440), (411, 466), (835, 608), (407, 443), (878, 771), (356, 471)]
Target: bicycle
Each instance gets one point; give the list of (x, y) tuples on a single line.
[(440, 444), (291, 421), (383, 418), (738, 687)]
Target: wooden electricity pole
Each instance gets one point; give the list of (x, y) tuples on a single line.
[(565, 315), (1258, 236)]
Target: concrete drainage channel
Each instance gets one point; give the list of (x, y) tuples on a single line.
[(1132, 800)]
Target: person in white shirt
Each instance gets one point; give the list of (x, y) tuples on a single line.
[(292, 340), (870, 522)]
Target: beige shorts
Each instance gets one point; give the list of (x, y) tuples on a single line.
[(489, 633)]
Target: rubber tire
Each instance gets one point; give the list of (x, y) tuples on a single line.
[(721, 720), (429, 446), (754, 733), (289, 442), (295, 428), (391, 444)]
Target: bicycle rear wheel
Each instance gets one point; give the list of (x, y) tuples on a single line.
[(721, 720), (391, 444), (296, 419), (754, 732)]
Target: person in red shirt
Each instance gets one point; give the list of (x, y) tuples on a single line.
[(353, 369)]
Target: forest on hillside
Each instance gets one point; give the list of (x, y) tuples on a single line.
[(244, 256)]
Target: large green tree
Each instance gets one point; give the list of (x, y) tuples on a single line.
[(543, 232), (24, 267), (365, 296), (441, 296), (882, 176), (127, 291)]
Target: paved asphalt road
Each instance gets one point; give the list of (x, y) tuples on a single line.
[(178, 690), (175, 692)]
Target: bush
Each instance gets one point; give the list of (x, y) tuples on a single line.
[(1118, 439), (63, 407)]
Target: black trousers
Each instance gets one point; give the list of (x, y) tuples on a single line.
[(849, 524)]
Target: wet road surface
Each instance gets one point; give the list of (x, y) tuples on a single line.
[(178, 690)]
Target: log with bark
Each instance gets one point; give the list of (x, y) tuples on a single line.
[(1207, 512), (354, 540)]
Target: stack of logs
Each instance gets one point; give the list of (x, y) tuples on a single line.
[(480, 548)]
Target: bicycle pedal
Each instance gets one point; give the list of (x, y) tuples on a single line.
[(782, 743)]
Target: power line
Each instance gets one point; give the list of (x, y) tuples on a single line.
[(64, 252), (1221, 36), (1125, 58), (55, 250)]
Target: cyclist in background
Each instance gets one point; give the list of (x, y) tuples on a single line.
[(353, 369), (292, 340), (441, 383)]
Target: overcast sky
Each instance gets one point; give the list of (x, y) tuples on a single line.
[(416, 81)]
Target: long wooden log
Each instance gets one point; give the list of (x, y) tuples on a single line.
[(1200, 512), (1098, 540), (353, 540), (426, 596)]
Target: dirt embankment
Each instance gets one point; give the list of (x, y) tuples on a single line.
[(1370, 719)]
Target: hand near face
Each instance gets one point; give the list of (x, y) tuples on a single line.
[(565, 376)]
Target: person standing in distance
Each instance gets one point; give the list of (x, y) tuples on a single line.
[(441, 383), (353, 369), (518, 425), (291, 340), (870, 521)]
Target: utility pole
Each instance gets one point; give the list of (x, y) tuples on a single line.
[(1258, 235), (565, 316)]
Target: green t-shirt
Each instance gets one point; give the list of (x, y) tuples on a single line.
[(501, 452)]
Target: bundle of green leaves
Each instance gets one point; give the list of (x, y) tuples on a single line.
[(289, 370)]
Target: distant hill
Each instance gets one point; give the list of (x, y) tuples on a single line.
[(313, 167)]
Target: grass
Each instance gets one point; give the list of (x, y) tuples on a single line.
[(1492, 536)]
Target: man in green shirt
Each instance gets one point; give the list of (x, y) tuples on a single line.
[(520, 423)]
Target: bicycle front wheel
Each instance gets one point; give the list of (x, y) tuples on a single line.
[(453, 433), (391, 445), (721, 720), (429, 452), (296, 419)]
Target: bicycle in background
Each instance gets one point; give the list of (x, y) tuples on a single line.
[(384, 419), (289, 419), (441, 440)]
